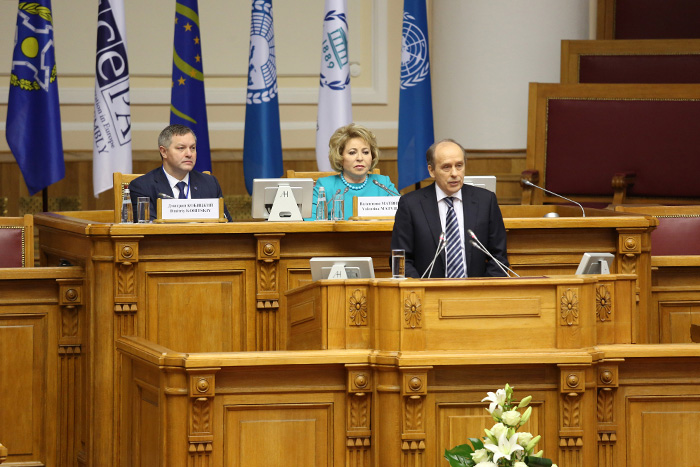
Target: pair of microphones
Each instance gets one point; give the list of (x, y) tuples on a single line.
[(442, 244)]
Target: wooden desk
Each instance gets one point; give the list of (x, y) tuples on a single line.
[(220, 287), (42, 368)]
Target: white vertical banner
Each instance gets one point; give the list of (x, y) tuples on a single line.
[(334, 102), (112, 127)]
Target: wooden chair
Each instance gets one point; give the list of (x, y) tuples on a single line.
[(120, 180), (17, 242), (316, 175), (3, 453)]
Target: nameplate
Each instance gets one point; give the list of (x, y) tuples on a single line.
[(190, 210), (376, 206)]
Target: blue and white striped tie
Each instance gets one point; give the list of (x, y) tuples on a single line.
[(455, 263)]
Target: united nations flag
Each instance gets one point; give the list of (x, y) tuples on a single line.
[(188, 105), (33, 128), (415, 100), (262, 143)]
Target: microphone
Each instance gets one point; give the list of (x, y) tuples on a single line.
[(528, 183), (385, 188), (478, 245), (164, 196), (442, 243)]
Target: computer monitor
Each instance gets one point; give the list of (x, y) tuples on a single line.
[(355, 267), (482, 181), (268, 205), (595, 263)]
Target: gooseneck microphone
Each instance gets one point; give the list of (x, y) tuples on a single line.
[(528, 183), (442, 243), (165, 196), (385, 188), (479, 246)]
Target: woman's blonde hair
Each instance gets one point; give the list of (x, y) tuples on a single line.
[(345, 133)]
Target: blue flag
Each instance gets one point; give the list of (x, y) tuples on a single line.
[(187, 103), (415, 100), (33, 127), (262, 143)]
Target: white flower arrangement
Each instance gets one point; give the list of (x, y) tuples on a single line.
[(502, 446)]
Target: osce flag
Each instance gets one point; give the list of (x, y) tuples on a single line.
[(112, 133), (262, 142), (33, 128), (415, 100), (188, 105), (334, 103)]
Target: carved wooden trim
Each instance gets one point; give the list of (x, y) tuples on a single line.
[(607, 380), (604, 300), (568, 306), (267, 270), (414, 388), (359, 416), (357, 307), (412, 308), (126, 255), (70, 300), (201, 429)]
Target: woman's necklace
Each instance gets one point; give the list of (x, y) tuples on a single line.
[(353, 187)]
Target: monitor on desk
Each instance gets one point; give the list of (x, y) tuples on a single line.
[(282, 199), (342, 268), (595, 263), (482, 181)]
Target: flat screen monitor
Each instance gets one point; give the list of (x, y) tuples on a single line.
[(595, 263), (265, 190), (355, 267), (482, 181)]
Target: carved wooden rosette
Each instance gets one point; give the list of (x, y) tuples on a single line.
[(607, 427), (70, 300), (126, 255), (412, 308), (572, 386), (267, 295), (604, 300), (357, 306), (359, 430), (414, 388), (201, 431)]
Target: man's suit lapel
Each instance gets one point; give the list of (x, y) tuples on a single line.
[(432, 218), (161, 183), (195, 183), (471, 208)]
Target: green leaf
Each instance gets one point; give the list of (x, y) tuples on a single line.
[(459, 456), (477, 443), (537, 461)]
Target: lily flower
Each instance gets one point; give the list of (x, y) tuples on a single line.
[(497, 399), (506, 447)]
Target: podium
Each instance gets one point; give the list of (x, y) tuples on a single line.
[(415, 315)]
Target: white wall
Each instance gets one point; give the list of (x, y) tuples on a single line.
[(485, 52)]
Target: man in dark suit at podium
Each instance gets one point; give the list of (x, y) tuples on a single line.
[(176, 178), (449, 209)]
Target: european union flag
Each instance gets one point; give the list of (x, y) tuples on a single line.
[(262, 143), (33, 128), (188, 105), (415, 100)]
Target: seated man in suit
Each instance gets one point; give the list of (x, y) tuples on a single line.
[(449, 207), (176, 178)]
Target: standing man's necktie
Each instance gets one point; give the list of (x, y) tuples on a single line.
[(455, 263), (181, 186)]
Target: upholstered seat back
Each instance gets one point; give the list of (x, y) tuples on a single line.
[(16, 241)]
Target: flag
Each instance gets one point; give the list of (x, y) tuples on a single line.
[(111, 150), (415, 100), (334, 104), (33, 128), (262, 142), (188, 105)]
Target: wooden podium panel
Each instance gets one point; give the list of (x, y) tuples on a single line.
[(42, 327), (462, 314)]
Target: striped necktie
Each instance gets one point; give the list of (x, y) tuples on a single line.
[(181, 186), (455, 263)]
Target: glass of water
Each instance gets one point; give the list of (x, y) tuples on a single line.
[(398, 264), (143, 210), (338, 209)]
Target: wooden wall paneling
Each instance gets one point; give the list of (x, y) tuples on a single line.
[(676, 301)]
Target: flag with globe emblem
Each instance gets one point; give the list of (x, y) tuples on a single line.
[(188, 105), (33, 127), (334, 100), (415, 100), (262, 142)]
